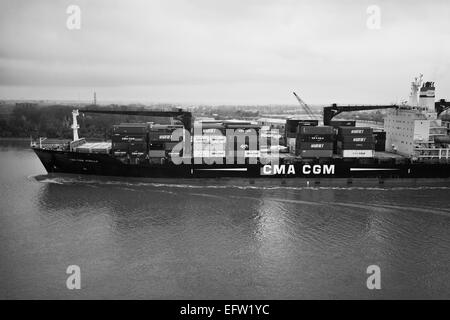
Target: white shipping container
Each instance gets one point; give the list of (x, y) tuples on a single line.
[(201, 154), (219, 147), (358, 153), (217, 139), (201, 139), (220, 154), (252, 153), (270, 135)]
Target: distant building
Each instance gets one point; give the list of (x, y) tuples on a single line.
[(273, 123)]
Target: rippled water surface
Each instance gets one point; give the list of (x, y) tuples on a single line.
[(217, 238)]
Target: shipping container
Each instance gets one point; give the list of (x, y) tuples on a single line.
[(130, 128), (293, 124), (355, 145), (198, 153), (380, 134), (342, 123), (120, 153), (215, 139), (100, 150), (314, 146), (83, 150), (342, 131), (356, 138), (217, 153), (132, 149), (128, 138), (380, 140), (156, 153), (380, 147), (170, 145), (357, 153), (252, 153), (316, 137), (201, 139), (127, 145), (137, 153), (217, 130), (209, 154), (315, 153), (160, 136), (217, 146), (316, 130)]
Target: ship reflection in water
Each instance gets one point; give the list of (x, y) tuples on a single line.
[(217, 239)]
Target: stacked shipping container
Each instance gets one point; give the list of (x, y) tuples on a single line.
[(142, 140), (380, 140), (129, 139), (340, 123), (314, 142), (292, 129), (160, 141), (213, 143), (355, 142)]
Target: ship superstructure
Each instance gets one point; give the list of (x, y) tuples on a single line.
[(413, 130)]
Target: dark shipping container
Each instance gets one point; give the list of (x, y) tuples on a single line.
[(316, 130), (343, 131), (355, 145), (128, 138), (356, 138), (315, 153), (315, 137), (130, 128), (314, 146), (342, 123)]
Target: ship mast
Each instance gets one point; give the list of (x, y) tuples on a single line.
[(75, 125), (415, 87)]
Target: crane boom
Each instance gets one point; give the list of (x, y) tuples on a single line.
[(184, 116), (305, 107)]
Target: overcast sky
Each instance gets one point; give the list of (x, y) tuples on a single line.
[(223, 52)]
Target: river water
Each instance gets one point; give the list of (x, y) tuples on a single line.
[(215, 239)]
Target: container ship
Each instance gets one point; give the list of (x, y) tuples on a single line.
[(414, 143)]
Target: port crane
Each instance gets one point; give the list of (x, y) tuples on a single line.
[(334, 109), (185, 117), (307, 108)]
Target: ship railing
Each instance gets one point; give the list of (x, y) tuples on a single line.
[(433, 153), (74, 144), (51, 144)]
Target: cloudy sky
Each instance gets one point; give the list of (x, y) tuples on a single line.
[(223, 52)]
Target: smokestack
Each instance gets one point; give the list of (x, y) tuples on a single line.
[(427, 95)]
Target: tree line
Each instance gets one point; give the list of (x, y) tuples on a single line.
[(54, 121)]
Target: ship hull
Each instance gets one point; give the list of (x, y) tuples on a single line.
[(106, 165)]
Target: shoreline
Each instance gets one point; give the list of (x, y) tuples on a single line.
[(14, 139)]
